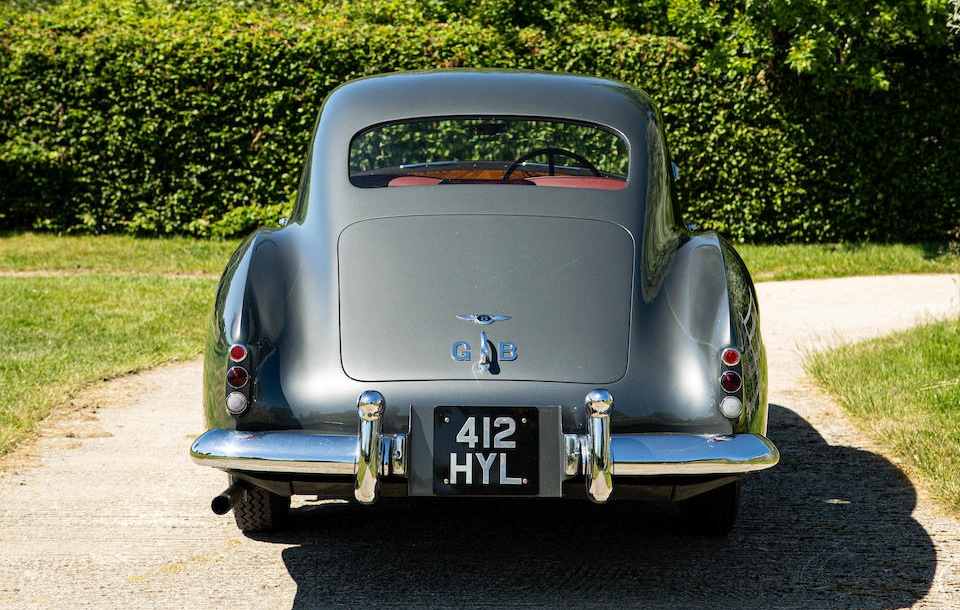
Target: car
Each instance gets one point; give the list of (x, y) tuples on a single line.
[(486, 288)]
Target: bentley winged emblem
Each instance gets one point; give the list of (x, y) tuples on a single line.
[(483, 318)]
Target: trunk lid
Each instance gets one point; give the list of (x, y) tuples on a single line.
[(565, 284)]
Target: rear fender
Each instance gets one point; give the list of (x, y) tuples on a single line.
[(250, 309), (745, 319), (703, 302)]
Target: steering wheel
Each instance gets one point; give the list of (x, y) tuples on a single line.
[(551, 153)]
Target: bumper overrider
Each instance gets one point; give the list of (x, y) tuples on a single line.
[(598, 456)]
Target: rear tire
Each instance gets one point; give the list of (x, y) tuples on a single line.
[(261, 511), (711, 513)]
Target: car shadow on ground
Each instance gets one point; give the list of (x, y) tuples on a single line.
[(830, 527)]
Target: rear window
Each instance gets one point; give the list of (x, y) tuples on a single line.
[(488, 150)]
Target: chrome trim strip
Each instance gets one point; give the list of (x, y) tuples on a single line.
[(292, 452), (658, 454), (571, 455), (366, 468), (386, 449), (299, 452), (599, 405), (398, 455)]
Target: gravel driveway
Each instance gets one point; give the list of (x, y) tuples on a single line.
[(107, 511)]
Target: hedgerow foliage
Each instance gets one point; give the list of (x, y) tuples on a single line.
[(802, 121)]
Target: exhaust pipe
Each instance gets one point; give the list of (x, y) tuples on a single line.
[(229, 498)]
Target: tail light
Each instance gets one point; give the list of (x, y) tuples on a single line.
[(238, 352), (730, 356), (236, 403), (731, 407), (730, 382), (238, 389), (237, 377)]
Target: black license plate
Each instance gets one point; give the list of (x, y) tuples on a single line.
[(480, 451)]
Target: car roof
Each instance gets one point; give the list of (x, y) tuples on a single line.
[(427, 93), (366, 102)]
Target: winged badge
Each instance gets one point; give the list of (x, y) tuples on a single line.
[(483, 319)]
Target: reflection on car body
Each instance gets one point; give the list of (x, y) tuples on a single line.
[(486, 288)]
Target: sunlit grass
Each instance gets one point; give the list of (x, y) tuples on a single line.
[(905, 391), (61, 334), (110, 305), (114, 254), (804, 261)]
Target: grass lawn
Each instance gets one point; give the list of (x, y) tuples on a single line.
[(115, 254), (793, 262), (64, 333), (75, 310), (905, 391)]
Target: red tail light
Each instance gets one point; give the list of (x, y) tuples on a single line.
[(237, 352), (730, 356), (730, 382), (237, 377)]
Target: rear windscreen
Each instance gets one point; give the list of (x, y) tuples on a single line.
[(491, 150)]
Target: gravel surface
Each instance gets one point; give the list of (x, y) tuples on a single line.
[(106, 510)]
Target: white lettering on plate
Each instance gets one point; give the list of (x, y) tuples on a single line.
[(485, 465), (466, 468), (498, 440), (504, 479), (468, 433)]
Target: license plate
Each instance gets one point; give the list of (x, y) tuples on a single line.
[(480, 451)]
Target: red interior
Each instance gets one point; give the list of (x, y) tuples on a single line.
[(413, 181), (580, 182)]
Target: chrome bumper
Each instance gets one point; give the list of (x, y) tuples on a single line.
[(597, 456)]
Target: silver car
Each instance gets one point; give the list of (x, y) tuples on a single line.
[(486, 288)]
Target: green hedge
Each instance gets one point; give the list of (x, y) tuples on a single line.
[(158, 116)]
